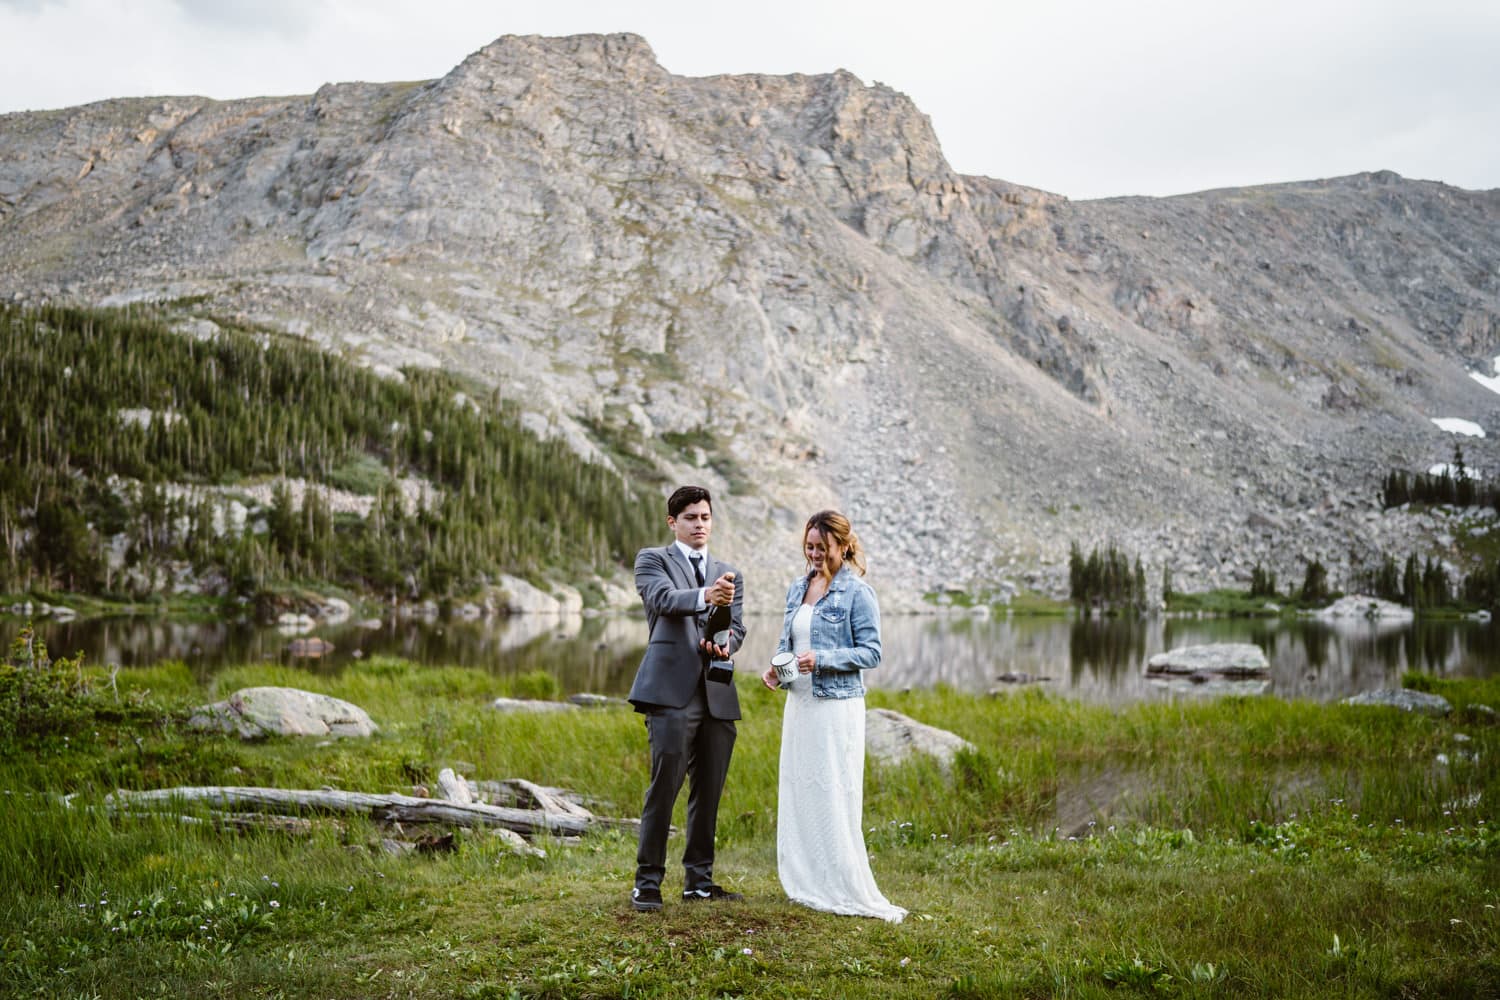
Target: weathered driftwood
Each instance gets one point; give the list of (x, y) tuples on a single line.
[(294, 825), (546, 799), (453, 788), (385, 808), (522, 794)]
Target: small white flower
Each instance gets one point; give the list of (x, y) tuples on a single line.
[(905, 962), (275, 905), (746, 951)]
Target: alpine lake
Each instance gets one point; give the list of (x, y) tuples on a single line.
[(1097, 660)]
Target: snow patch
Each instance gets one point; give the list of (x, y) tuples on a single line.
[(1455, 425), (1490, 382)]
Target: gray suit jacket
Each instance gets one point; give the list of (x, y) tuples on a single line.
[(673, 665)]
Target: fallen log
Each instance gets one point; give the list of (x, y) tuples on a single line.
[(387, 808), (297, 826), (547, 799)]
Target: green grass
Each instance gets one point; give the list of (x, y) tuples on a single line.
[(1233, 603), (1241, 848)]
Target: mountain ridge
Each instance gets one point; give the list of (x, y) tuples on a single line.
[(777, 285)]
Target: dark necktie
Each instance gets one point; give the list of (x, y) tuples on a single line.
[(697, 568)]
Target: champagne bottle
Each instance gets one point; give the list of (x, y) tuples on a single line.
[(717, 630)]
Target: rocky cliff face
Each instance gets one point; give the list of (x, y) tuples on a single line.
[(778, 286)]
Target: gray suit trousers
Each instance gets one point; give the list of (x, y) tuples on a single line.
[(686, 740)]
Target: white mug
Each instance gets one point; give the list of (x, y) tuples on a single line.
[(786, 667)]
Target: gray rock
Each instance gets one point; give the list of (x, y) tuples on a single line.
[(573, 226), (253, 713), (515, 596), (584, 699), (531, 705), (1223, 659), (1404, 699), (1361, 606), (891, 737), (1204, 685)]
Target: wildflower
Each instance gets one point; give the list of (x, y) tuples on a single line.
[(746, 951), (275, 905), (905, 962)]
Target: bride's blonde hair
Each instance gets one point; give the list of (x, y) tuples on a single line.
[(839, 538)]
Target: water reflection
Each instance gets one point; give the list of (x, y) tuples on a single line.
[(1090, 659)]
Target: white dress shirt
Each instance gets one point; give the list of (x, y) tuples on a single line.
[(688, 553)]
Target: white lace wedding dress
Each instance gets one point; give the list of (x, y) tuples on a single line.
[(820, 846)]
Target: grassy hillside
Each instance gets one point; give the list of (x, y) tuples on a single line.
[(123, 436)]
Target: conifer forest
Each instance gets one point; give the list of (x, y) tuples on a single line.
[(129, 448)]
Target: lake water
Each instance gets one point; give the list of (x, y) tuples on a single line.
[(1094, 660)]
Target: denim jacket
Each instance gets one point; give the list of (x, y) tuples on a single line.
[(845, 633)]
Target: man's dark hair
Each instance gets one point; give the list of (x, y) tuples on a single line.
[(685, 497)]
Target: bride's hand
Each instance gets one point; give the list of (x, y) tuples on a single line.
[(769, 679), (806, 662)]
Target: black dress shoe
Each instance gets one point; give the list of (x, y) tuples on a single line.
[(711, 892), (645, 900)]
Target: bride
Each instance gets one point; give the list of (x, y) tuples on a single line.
[(833, 626)]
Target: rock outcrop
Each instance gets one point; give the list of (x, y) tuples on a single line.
[(778, 286)]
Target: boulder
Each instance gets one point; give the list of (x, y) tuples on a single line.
[(585, 699), (1361, 606), (517, 597), (531, 705), (891, 738), (1404, 699), (257, 712), (334, 610), (1225, 659)]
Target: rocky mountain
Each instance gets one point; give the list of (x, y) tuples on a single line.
[(778, 286)]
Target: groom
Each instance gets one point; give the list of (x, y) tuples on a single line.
[(689, 718)]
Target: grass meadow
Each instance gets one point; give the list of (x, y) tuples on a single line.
[(1254, 848)]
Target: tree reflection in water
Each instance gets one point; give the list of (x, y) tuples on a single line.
[(1097, 659)]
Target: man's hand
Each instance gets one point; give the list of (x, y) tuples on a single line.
[(714, 650), (721, 591)]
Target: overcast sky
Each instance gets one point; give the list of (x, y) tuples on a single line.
[(1087, 98)]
